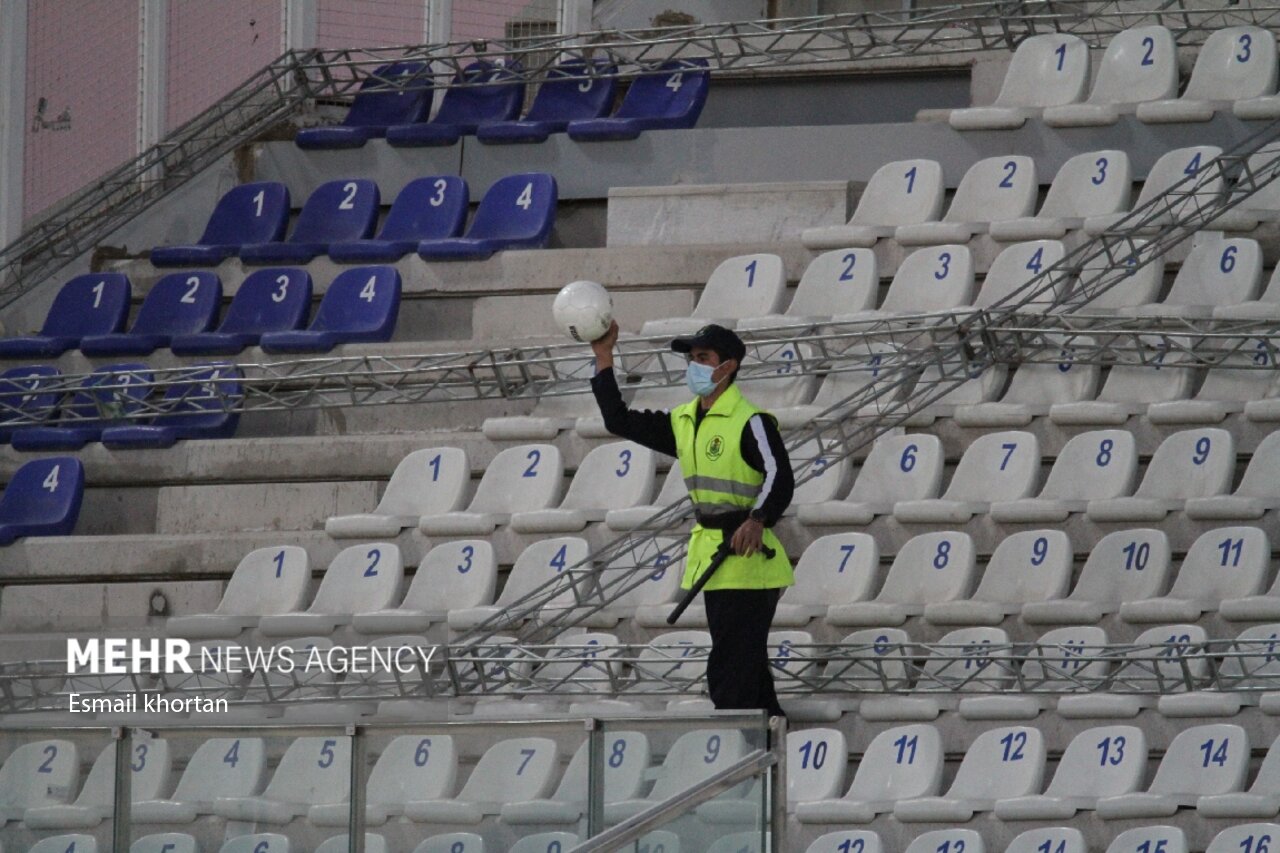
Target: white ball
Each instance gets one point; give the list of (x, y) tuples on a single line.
[(584, 310)]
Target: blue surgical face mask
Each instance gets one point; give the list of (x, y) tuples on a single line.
[(698, 378)]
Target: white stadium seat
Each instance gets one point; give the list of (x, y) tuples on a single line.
[(1014, 267), (835, 282), (512, 770), (149, 775), (1172, 167), (898, 468), (1215, 273), (837, 568), (984, 384), (373, 843), (1262, 205), (737, 842), (772, 387), (1229, 562), (1235, 64), (537, 564), (1262, 800), (857, 375), (1139, 286), (1137, 380), (993, 189), (361, 579), (267, 582), (313, 771), (948, 841), (1248, 667), (527, 477), (1244, 836), (631, 518), (551, 413), (695, 756), (740, 287), (904, 192), (901, 763), (1244, 374), (426, 482), (1101, 762), (1031, 565), (545, 842), (452, 842), (42, 773), (618, 475), (1095, 183), (1200, 761), (453, 575), (830, 477), (71, 843), (649, 602), (1058, 839), (847, 841), (258, 842), (929, 568), (165, 842), (410, 767), (1091, 466), (816, 758), (929, 280), (1140, 64), (999, 764), (626, 762), (1036, 387), (1188, 464), (1169, 839), (998, 466), (1066, 660), (220, 767), (1127, 565), (1046, 71), (1253, 607)]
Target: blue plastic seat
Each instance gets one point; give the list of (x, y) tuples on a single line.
[(337, 211), (428, 208), (269, 300), (493, 93), (108, 394), (193, 408), (245, 215), (179, 303), (672, 98), (517, 212), (94, 304), (360, 305), (42, 499), (377, 105), (26, 397), (558, 102)]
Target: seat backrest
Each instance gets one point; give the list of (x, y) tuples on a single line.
[(772, 388), (995, 188), (678, 89), (612, 476), (562, 98), (948, 841), (414, 767), (31, 390), (743, 286), (1105, 761), (91, 304), (857, 372), (879, 658), (900, 763), (452, 842), (70, 843), (149, 766), (1066, 660), (791, 655), (1095, 183), (313, 770), (836, 282), (45, 492), (1148, 374), (427, 482), (373, 843), (997, 466), (1057, 839), (737, 842), (1139, 286), (201, 399), (1229, 562), (1203, 760), (1234, 63), (428, 209), (830, 478), (539, 563), (582, 663), (1262, 477), (458, 574), (1192, 463), (1251, 659), (847, 841), (513, 770), (1261, 166), (961, 660), (1063, 381), (345, 209), (1245, 836), (626, 760), (165, 842), (1093, 465), (1126, 565), (258, 842), (530, 476), (1218, 272), (1139, 64), (1019, 264), (517, 207), (362, 299), (676, 657), (223, 767), (268, 580), (1177, 165), (903, 192), (1148, 839), (494, 93), (662, 582), (900, 468), (109, 393), (1005, 762), (695, 756), (1030, 565), (276, 299), (249, 213), (1046, 71), (180, 303), (381, 101), (39, 774), (934, 278), (545, 842), (1165, 659), (835, 569), (930, 567), (360, 579)]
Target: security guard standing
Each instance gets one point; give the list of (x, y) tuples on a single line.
[(740, 480)]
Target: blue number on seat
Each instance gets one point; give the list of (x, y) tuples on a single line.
[(468, 553), (326, 754), (911, 179), (943, 555), (851, 845), (423, 753), (1112, 749), (52, 752), (904, 744), (618, 754), (261, 847), (1103, 459), (533, 456), (1215, 756), (141, 752), (1231, 550), (279, 561), (1039, 551), (558, 560), (945, 260), (908, 460), (625, 458), (1098, 179), (374, 556), (815, 751), (1036, 263), (1013, 744), (528, 756), (233, 754), (849, 261), (1150, 44), (435, 468), (713, 750), (1193, 165), (1061, 51), (1228, 262), (848, 552), (1008, 448), (1246, 47), (751, 273), (1011, 169), (1136, 555), (1203, 444)]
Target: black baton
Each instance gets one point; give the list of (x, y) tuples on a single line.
[(722, 553)]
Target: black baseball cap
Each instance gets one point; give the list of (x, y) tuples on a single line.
[(713, 337)]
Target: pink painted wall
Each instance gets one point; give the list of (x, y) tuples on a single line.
[(214, 47), (371, 23), (487, 18), (82, 57)]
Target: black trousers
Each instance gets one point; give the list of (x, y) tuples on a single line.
[(738, 671)]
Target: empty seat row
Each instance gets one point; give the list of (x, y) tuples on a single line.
[(485, 98), (339, 217)]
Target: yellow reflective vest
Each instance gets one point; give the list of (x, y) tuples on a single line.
[(720, 480)]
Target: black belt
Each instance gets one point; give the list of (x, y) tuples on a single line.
[(731, 520)]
